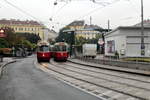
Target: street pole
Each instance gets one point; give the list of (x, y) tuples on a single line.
[(108, 25), (72, 42), (142, 31), (90, 20)]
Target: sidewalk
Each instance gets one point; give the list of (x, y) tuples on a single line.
[(109, 67), (6, 60)]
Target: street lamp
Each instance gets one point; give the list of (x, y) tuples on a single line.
[(142, 31)]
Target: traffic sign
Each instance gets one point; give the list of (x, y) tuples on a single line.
[(101, 42)]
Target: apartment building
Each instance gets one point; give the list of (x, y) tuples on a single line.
[(83, 30), (24, 26)]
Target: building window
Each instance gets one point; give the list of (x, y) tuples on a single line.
[(16, 28)]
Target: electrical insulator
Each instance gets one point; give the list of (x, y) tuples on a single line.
[(50, 19), (55, 3)]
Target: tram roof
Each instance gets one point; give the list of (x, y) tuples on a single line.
[(42, 43), (61, 43)]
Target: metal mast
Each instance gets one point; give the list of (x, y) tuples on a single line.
[(142, 31)]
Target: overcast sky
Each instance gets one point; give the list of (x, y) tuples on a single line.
[(119, 12)]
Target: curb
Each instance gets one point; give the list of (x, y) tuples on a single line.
[(3, 65), (113, 69)]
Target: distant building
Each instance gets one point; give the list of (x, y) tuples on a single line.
[(83, 30), (76, 25), (88, 31), (23, 26), (49, 34), (127, 42)]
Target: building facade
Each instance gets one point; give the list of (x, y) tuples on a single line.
[(76, 25), (83, 30), (24, 26), (86, 33), (127, 42), (49, 34)]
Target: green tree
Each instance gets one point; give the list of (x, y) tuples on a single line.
[(10, 36), (64, 36), (81, 40), (33, 38), (3, 43), (26, 43)]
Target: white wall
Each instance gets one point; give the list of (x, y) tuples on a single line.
[(130, 41)]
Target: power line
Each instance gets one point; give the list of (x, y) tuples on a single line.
[(54, 15), (61, 8), (96, 9), (21, 10), (103, 4)]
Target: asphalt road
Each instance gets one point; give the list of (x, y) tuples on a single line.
[(23, 81)]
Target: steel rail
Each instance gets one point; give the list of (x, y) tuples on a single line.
[(84, 80), (106, 73), (100, 77)]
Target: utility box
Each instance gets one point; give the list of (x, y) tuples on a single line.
[(89, 50)]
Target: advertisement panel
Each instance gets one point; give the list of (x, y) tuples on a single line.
[(111, 46)]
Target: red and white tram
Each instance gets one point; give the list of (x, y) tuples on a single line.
[(43, 51), (61, 51)]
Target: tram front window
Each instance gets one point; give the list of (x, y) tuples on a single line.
[(44, 48), (61, 48)]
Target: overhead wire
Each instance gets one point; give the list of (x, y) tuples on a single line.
[(103, 4), (54, 14), (96, 9), (61, 8), (21, 10), (53, 8)]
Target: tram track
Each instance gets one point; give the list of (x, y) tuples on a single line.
[(96, 76), (114, 68), (64, 69), (102, 71)]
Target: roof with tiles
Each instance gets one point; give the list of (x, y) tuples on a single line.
[(92, 27), (18, 22), (77, 23)]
